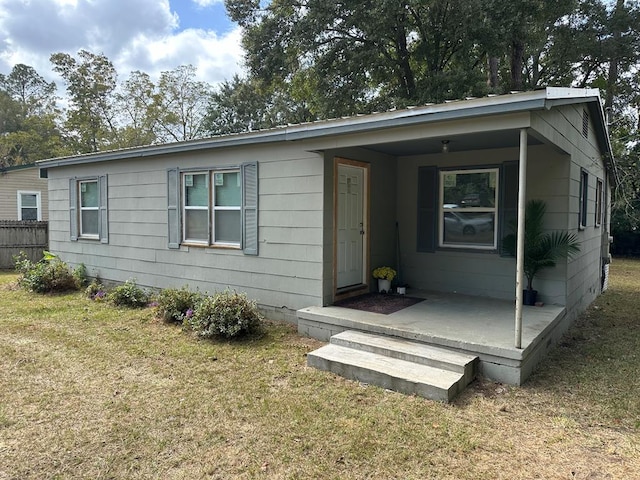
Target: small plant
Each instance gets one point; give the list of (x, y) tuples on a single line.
[(176, 304), (129, 295), (50, 274), (227, 314), (96, 290), (80, 274), (384, 273)]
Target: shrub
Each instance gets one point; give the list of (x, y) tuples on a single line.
[(50, 274), (176, 304), (129, 295), (96, 290), (227, 314)]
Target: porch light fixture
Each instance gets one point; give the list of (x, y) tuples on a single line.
[(445, 146)]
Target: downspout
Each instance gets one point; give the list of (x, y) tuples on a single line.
[(522, 191)]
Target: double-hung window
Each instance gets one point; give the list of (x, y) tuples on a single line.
[(89, 208), (468, 208), (29, 206), (599, 202), (211, 207), (584, 197), (217, 207), (88, 216)]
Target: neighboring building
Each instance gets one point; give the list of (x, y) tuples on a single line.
[(298, 216), (23, 193)]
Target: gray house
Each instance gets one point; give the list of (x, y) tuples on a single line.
[(298, 217)]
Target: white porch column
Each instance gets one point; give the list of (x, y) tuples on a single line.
[(522, 191)]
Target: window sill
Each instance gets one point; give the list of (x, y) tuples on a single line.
[(88, 237), (211, 247)]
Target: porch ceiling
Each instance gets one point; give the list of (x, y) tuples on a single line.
[(457, 143)]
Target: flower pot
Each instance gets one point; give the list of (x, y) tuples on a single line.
[(384, 285), (529, 297)]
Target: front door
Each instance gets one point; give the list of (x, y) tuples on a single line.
[(350, 225)]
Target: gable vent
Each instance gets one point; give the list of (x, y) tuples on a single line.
[(585, 124)]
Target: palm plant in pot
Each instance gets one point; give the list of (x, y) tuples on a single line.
[(541, 249)]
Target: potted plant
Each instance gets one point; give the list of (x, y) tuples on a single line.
[(384, 275), (541, 249)]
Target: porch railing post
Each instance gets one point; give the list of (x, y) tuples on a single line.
[(522, 191)]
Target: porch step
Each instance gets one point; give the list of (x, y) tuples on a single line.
[(397, 364)]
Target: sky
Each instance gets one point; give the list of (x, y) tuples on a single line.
[(147, 35)]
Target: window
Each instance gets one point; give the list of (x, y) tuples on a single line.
[(212, 218), (214, 207), (88, 208), (468, 208), (584, 189), (599, 202), (29, 207)]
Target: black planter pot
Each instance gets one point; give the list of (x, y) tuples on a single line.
[(529, 297)]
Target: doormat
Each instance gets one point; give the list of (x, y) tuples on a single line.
[(379, 302)]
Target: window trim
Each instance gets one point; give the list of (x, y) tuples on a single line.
[(75, 210), (599, 202), (81, 209), (495, 209), (583, 199), (38, 206)]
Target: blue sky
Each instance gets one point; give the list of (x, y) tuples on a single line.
[(147, 35)]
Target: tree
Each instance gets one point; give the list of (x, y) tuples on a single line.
[(242, 105), (28, 118), (181, 105), (91, 81), (32, 92), (138, 109)]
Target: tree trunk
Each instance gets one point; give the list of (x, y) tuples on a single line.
[(492, 81), (612, 80), (517, 54)]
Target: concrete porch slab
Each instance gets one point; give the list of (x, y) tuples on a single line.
[(473, 325)]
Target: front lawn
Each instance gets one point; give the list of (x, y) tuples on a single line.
[(91, 391)]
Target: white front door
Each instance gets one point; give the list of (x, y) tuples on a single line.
[(350, 226)]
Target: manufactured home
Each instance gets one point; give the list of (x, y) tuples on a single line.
[(298, 217)]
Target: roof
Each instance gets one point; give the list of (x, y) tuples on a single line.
[(18, 167), (541, 99)]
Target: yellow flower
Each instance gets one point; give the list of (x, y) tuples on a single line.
[(386, 273)]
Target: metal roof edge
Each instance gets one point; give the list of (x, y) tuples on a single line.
[(13, 168)]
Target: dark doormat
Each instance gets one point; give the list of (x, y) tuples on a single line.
[(379, 302)]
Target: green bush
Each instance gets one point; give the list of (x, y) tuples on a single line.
[(50, 274), (227, 314), (176, 304), (129, 295), (96, 290)]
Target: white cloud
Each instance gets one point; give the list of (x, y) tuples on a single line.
[(206, 3), (133, 34)]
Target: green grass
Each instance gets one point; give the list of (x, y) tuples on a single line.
[(91, 391)]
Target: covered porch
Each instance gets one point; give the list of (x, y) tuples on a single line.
[(479, 326)]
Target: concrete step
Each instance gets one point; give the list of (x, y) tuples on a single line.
[(388, 372), (410, 351)]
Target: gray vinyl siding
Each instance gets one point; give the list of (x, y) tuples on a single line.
[(287, 273), (581, 284), (21, 179)]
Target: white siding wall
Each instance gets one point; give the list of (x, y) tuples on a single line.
[(27, 179), (286, 275)]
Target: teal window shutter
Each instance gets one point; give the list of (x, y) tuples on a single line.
[(103, 224), (173, 207), (250, 208), (427, 209), (73, 209)]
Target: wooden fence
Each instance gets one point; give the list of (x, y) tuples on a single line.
[(17, 236)]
